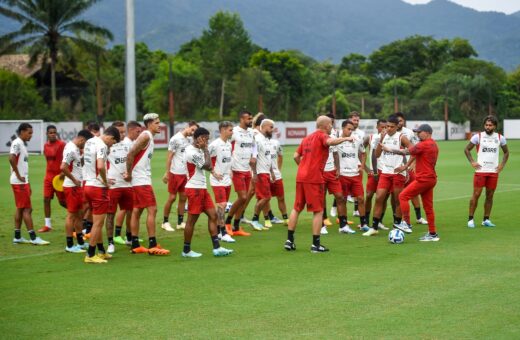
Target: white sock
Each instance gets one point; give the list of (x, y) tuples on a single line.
[(48, 222)]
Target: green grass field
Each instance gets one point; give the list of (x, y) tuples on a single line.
[(465, 286)]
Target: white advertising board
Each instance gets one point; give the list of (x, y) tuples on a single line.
[(8, 134), (512, 128)]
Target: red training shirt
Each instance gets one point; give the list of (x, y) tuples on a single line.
[(426, 153), (54, 155), (314, 151)]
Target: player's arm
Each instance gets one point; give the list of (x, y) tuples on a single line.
[(505, 150), (279, 161), (14, 165), (169, 159), (379, 148), (139, 145), (297, 158), (336, 141), (363, 159), (405, 143), (64, 167), (467, 152), (207, 160), (335, 156), (101, 166)]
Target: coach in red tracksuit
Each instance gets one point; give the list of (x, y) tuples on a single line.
[(425, 155)]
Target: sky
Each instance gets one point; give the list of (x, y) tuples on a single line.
[(505, 6)]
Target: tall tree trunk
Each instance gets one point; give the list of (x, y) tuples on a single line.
[(98, 91), (53, 81), (222, 92)]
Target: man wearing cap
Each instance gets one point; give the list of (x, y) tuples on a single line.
[(425, 154)]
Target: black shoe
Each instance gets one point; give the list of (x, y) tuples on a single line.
[(289, 245), (318, 249)]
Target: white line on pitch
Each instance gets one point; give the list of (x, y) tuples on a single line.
[(469, 196)]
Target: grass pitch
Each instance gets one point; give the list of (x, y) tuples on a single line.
[(465, 286)]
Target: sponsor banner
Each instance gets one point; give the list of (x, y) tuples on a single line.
[(458, 131), (8, 134), (438, 127), (67, 131), (512, 128)]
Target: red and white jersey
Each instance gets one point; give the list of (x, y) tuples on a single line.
[(488, 150), (116, 164), (348, 153), (373, 141), (330, 166), (358, 133), (263, 154), (142, 169), (194, 162), (220, 153), (389, 160), (22, 161), (177, 145), (128, 141), (72, 157), (94, 149), (242, 142), (410, 135), (276, 151)]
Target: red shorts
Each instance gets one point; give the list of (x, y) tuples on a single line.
[(372, 183), (74, 198), (277, 188), (352, 186), (122, 196), (199, 201), (391, 182), (144, 197), (410, 179), (97, 199), (241, 180), (176, 183), (22, 196), (310, 194), (488, 180), (48, 190), (263, 186), (221, 193), (332, 184)]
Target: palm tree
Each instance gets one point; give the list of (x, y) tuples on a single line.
[(47, 28)]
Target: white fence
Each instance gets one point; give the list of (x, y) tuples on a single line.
[(512, 128), (288, 133)]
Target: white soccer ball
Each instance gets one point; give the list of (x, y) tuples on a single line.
[(228, 206), (396, 236)]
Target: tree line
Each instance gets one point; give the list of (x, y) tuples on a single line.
[(222, 72)]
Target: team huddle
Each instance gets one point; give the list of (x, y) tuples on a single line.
[(103, 171)]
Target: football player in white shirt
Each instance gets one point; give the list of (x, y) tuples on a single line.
[(355, 117), (487, 167), (277, 188), (262, 167), (96, 189), (220, 178), (71, 167), (416, 201), (139, 173), (242, 142), (199, 200), (392, 176), (351, 162), (133, 129), (19, 160), (175, 175)]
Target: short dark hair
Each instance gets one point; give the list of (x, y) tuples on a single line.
[(118, 123), (133, 124), (243, 113), (93, 126), (346, 122), (259, 120), (331, 115), (114, 132), (491, 119), (381, 120), (224, 124), (393, 119), (23, 127), (50, 127), (200, 132), (193, 123), (85, 134), (400, 115), (354, 114)]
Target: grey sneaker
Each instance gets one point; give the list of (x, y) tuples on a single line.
[(430, 238), (21, 240), (319, 249), (39, 242)]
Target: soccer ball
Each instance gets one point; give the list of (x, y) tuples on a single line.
[(228, 206), (396, 236)]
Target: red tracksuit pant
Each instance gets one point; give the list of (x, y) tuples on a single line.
[(425, 189)]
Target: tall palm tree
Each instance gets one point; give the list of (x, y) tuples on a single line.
[(47, 28)]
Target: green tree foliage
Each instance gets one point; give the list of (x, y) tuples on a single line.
[(19, 98)]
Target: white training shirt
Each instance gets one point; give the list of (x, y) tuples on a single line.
[(177, 145), (220, 153), (22, 161), (72, 157), (389, 160), (242, 141), (117, 164), (348, 153), (373, 141), (142, 169), (358, 133), (276, 151), (194, 162), (410, 135), (94, 149), (488, 150), (263, 154), (329, 165)]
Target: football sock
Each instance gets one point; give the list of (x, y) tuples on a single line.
[(165, 219), (236, 224), (267, 218), (216, 243), (362, 220), (367, 217), (118, 230), (222, 230), (91, 251), (342, 221), (356, 205), (418, 213), (375, 223), (32, 234), (270, 214), (48, 222), (79, 238), (110, 240), (486, 218), (17, 233), (325, 214), (135, 242), (101, 247), (470, 217), (152, 242), (334, 204), (180, 219), (290, 235), (70, 243), (186, 248), (284, 216), (255, 217), (228, 219), (316, 240), (129, 236)]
